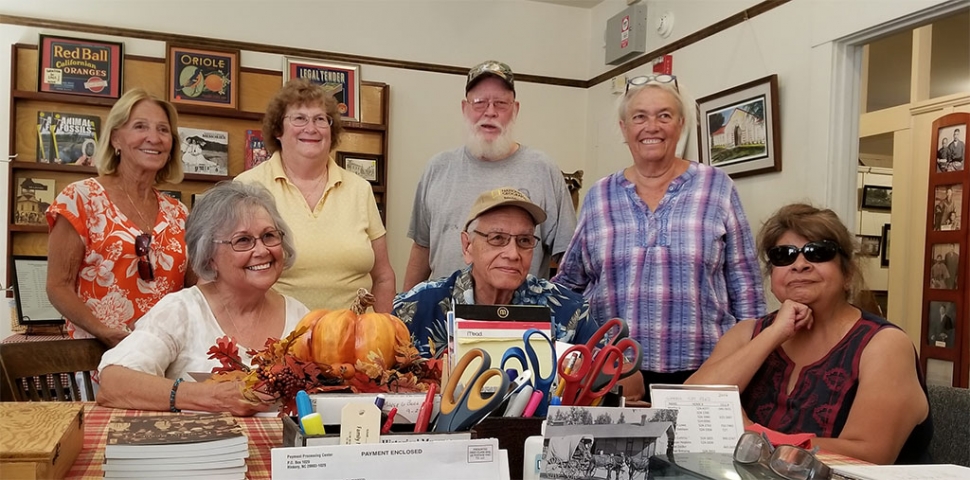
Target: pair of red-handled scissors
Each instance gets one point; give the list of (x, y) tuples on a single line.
[(615, 333), (593, 374)]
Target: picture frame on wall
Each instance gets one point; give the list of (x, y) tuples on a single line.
[(76, 66), (944, 266), (869, 245), (884, 254), (740, 128), (367, 166), (204, 77), (947, 207), (342, 80), (875, 197), (942, 324), (951, 148)]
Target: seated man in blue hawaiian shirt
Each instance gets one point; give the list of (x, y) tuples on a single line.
[(497, 243)]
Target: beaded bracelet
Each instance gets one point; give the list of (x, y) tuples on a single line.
[(171, 398)]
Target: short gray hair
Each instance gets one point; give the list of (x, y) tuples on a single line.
[(221, 208), (686, 110)]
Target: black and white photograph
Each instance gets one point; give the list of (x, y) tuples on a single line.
[(876, 197), (205, 151), (951, 148), (869, 245), (605, 443), (367, 166), (947, 202), (942, 328), (946, 261)]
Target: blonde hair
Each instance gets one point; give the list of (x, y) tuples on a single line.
[(105, 158)]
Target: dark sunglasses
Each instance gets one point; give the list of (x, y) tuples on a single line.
[(815, 252), (142, 247)]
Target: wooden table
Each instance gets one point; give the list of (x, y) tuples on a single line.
[(264, 433)]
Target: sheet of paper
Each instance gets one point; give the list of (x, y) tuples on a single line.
[(497, 337), (32, 290), (467, 459), (903, 472), (710, 419)]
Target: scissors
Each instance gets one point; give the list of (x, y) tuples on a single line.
[(539, 383), (597, 368), (471, 406)]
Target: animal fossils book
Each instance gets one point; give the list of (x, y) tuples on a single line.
[(159, 436), (205, 151), (255, 149), (67, 138)]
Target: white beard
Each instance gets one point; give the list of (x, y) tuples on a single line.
[(497, 149)]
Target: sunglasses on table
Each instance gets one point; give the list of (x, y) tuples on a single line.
[(143, 244), (816, 252), (787, 461)]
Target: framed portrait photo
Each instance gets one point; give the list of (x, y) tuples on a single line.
[(877, 197), (869, 245), (202, 76), (77, 66), (342, 80), (368, 167), (951, 148), (739, 129)]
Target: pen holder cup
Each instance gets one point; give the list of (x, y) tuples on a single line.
[(511, 434), (293, 435)]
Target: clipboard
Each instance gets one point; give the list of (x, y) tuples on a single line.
[(496, 328)]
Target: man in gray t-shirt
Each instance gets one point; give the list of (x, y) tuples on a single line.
[(490, 159)]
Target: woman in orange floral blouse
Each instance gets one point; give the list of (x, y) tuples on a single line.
[(117, 245)]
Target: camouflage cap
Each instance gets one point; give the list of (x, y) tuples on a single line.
[(490, 68)]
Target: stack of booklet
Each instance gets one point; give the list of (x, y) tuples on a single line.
[(209, 446)]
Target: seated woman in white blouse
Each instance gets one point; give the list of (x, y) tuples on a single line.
[(238, 245)]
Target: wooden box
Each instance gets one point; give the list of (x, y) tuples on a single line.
[(40, 439)]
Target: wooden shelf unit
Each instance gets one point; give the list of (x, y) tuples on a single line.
[(257, 87)]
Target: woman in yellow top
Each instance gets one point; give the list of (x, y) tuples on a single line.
[(336, 226)]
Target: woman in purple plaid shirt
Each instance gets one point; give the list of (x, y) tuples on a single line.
[(664, 243)]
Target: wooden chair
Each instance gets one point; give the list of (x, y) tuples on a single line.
[(45, 371)]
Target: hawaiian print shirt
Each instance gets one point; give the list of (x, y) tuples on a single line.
[(108, 281), (424, 308)]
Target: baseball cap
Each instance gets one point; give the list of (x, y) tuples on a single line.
[(491, 68), (505, 197)]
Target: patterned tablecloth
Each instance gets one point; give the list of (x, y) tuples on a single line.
[(264, 433)]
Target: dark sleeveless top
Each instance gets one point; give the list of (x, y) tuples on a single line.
[(822, 397)]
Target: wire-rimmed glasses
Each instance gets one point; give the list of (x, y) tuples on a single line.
[(658, 78), (245, 243), (301, 120), (500, 239)]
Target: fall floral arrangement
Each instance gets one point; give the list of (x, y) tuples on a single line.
[(340, 350)]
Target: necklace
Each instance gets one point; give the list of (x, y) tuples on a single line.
[(137, 211), (317, 184), (232, 320)]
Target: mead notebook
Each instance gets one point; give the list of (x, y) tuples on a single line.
[(496, 328)]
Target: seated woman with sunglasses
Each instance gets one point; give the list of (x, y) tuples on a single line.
[(819, 364), (238, 244), (117, 245)]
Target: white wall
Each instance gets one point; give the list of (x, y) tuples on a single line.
[(794, 41)]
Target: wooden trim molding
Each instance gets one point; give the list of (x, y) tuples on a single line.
[(205, 42)]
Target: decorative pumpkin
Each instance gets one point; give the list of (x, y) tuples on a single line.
[(346, 336)]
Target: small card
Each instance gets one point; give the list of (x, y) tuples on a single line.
[(709, 418), (360, 423)]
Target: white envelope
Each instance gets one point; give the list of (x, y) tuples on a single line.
[(477, 459)]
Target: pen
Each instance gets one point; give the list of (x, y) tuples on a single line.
[(379, 401), (567, 369), (312, 424), (530, 409), (427, 407), (390, 421)]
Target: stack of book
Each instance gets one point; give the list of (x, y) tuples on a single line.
[(209, 446)]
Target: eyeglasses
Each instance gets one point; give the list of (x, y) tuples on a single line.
[(645, 79), (499, 239), (300, 120), (245, 243), (142, 247), (815, 252), (788, 461), (481, 104)]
